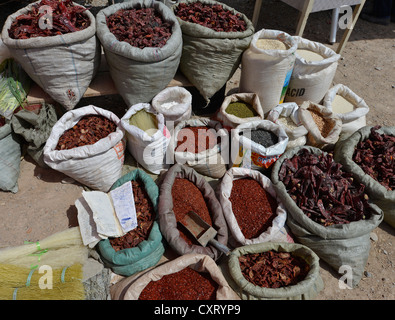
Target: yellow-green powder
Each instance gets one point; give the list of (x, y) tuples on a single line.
[(241, 109)]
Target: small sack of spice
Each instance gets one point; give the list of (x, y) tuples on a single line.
[(286, 115), (322, 125), (258, 143), (369, 154), (348, 106), (188, 277), (262, 271), (240, 108), (251, 208)]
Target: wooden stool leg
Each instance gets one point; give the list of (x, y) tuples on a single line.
[(357, 10), (307, 7)]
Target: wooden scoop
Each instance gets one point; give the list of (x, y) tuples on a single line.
[(202, 231)]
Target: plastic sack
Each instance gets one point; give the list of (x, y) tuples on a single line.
[(98, 165), (40, 57), (232, 121), (148, 252), (352, 120), (148, 150), (139, 74), (208, 162), (268, 72), (310, 80), (315, 137), (340, 245), (252, 155), (210, 58), (296, 132), (167, 219), (175, 103), (306, 289), (130, 289), (378, 194), (35, 128), (10, 159), (275, 233)]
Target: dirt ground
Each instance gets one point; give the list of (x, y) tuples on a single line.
[(45, 201)]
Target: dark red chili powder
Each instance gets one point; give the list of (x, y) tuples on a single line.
[(196, 139), (187, 284), (187, 197), (254, 208)]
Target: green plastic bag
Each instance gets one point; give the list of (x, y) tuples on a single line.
[(147, 253), (304, 290)]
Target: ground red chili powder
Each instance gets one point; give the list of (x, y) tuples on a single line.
[(187, 197), (254, 208), (187, 284), (203, 138)]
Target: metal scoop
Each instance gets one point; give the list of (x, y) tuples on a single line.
[(202, 231)]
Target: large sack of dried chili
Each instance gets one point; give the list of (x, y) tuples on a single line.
[(148, 248), (369, 154), (35, 127), (140, 68), (313, 73), (87, 145), (64, 57), (214, 38), (182, 189), (10, 157), (251, 208), (255, 272), (189, 277), (327, 210), (201, 144)]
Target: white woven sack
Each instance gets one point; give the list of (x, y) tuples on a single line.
[(353, 120), (63, 65), (268, 72), (180, 100), (310, 80), (147, 150), (275, 233), (98, 165)]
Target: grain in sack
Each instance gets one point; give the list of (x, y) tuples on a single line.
[(313, 73), (96, 165), (266, 70)]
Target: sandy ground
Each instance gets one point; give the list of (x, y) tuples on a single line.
[(45, 201)]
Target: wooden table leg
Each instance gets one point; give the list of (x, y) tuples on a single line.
[(357, 10), (304, 15), (257, 10)]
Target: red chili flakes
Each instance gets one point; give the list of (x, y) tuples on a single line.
[(66, 18), (272, 269), (145, 218), (140, 28), (214, 17), (187, 284), (187, 197), (253, 207), (88, 130), (376, 157), (196, 139)]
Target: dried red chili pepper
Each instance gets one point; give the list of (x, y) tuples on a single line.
[(187, 197), (324, 192), (186, 284), (196, 139), (272, 269), (145, 218), (66, 18), (376, 157), (214, 17), (88, 130), (253, 207), (141, 28)]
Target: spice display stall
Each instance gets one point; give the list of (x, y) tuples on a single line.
[(274, 180)]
